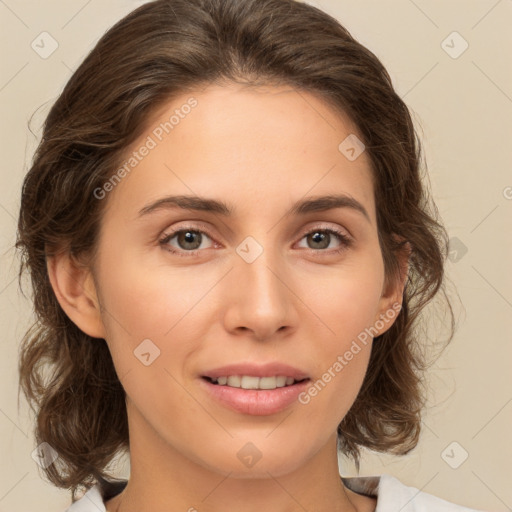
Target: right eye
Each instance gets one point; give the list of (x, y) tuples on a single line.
[(188, 240)]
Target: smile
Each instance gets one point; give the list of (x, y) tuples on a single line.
[(253, 382), (255, 400)]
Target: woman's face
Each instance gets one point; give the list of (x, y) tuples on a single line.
[(187, 291)]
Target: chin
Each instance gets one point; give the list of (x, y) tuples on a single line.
[(261, 466)]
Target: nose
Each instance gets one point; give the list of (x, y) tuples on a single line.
[(261, 298)]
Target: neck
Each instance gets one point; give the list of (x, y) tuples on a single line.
[(162, 478)]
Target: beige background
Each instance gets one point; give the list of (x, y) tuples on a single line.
[(463, 107)]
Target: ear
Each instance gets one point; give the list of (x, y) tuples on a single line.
[(393, 290), (75, 290)]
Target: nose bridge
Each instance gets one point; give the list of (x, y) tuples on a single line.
[(261, 301), (259, 269)]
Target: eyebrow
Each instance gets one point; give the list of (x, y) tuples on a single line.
[(301, 207)]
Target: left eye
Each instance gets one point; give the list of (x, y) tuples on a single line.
[(189, 240), (323, 237)]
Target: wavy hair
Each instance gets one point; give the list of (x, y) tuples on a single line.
[(155, 53)]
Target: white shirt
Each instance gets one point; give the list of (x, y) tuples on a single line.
[(392, 496)]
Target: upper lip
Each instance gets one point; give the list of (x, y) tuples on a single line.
[(257, 370)]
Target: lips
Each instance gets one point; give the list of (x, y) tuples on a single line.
[(255, 401)]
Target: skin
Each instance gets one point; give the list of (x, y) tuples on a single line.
[(299, 302)]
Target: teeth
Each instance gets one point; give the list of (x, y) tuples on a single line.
[(251, 382)]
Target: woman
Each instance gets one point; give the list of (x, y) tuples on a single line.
[(230, 246)]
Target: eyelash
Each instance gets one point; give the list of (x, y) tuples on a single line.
[(346, 242)]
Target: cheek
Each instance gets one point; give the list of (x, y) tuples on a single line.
[(151, 335), (346, 305), (346, 301), (151, 299), (145, 312)]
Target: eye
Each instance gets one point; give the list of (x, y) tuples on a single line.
[(189, 240), (320, 238)]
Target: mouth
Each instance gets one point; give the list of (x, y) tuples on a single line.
[(254, 382), (252, 395)]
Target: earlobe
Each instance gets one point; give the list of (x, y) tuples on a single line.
[(75, 291)]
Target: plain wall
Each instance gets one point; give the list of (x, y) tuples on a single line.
[(463, 110)]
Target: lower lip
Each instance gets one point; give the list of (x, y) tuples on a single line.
[(255, 401)]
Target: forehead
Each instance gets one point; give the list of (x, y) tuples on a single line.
[(255, 146)]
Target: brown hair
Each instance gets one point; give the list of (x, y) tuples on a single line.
[(158, 51)]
